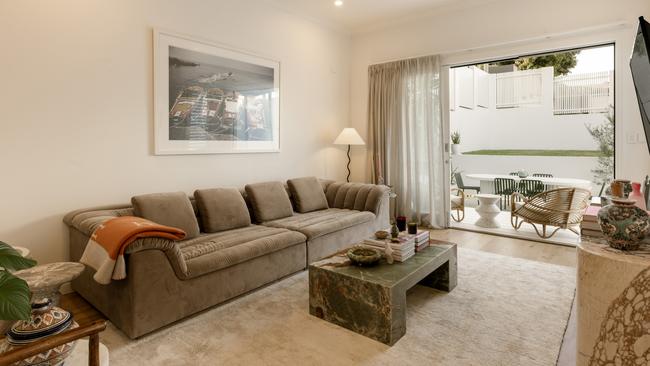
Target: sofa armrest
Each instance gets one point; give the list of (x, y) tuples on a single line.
[(357, 196), (84, 222), (88, 219)]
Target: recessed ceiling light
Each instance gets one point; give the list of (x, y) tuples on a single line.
[(338, 2)]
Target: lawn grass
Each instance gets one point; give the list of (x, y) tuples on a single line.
[(572, 153)]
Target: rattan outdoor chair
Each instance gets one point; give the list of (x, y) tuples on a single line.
[(562, 208), (458, 204), (504, 187)]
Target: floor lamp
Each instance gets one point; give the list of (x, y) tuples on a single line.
[(349, 136)]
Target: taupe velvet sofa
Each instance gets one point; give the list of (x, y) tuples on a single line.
[(168, 281)]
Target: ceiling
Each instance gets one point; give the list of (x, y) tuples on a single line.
[(359, 15)]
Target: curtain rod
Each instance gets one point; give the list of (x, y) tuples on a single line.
[(610, 26)]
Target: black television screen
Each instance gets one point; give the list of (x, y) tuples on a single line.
[(640, 65)]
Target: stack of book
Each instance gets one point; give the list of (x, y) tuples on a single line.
[(590, 226), (421, 240), (403, 249)]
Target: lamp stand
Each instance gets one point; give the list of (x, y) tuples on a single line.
[(349, 161)]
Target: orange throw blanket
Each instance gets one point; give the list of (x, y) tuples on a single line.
[(105, 249)]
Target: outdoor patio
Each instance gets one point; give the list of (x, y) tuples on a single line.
[(551, 124), (562, 237)]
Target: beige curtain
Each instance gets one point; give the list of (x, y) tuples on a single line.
[(406, 143)]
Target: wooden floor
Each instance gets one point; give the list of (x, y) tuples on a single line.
[(84, 313), (518, 248)]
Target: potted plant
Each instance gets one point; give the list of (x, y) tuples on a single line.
[(455, 143), (14, 292)]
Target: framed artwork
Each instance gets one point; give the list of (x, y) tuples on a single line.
[(210, 99)]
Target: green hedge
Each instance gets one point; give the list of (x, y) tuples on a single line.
[(572, 153)]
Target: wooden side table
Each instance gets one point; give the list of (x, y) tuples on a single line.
[(613, 303), (93, 356), (79, 357)]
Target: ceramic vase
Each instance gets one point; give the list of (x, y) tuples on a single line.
[(617, 187), (46, 320), (637, 196), (623, 224), (388, 252), (394, 231)]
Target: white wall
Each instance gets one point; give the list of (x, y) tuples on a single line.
[(532, 126), (510, 28), (76, 106)]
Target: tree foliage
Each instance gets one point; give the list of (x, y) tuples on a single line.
[(603, 134), (562, 62)]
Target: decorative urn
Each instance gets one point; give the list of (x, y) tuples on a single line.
[(46, 320), (623, 224)]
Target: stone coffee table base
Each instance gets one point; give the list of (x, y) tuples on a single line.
[(372, 301)]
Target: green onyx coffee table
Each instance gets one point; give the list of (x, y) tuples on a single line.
[(372, 300)]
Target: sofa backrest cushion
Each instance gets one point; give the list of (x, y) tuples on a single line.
[(270, 201), (222, 209), (171, 209), (308, 194)]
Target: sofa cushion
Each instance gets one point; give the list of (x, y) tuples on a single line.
[(222, 209), (212, 252), (308, 194), (323, 222), (171, 209), (269, 200)]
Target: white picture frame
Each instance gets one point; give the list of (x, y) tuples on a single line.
[(219, 101)]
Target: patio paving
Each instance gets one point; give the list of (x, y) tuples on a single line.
[(562, 237)]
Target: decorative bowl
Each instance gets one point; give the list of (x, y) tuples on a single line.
[(382, 234), (362, 256)]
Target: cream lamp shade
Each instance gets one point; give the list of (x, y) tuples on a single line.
[(349, 136)]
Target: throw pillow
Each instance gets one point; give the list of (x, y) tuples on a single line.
[(222, 209), (269, 200), (170, 209), (308, 194)]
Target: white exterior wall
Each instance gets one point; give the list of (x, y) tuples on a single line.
[(507, 28), (525, 127)]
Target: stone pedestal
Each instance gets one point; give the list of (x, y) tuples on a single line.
[(488, 210), (45, 280), (613, 305)]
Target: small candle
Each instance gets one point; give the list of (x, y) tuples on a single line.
[(412, 227), (401, 223)]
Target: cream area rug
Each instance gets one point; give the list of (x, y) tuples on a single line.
[(504, 311)]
